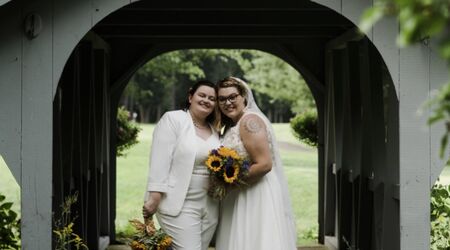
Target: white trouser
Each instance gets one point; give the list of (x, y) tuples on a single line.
[(194, 227)]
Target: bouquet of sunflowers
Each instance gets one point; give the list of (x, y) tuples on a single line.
[(227, 169), (147, 237)]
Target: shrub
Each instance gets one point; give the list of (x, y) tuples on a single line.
[(9, 226), (440, 217), (304, 127), (127, 132), (312, 233)]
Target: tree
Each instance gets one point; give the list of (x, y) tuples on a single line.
[(162, 83), (153, 87)]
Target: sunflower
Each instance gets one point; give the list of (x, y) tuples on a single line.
[(228, 152), (231, 174), (214, 163), (165, 243), (137, 246)]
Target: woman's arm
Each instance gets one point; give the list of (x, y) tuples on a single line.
[(254, 137), (163, 144)]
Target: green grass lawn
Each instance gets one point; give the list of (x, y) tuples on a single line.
[(300, 167), (9, 186), (300, 163)]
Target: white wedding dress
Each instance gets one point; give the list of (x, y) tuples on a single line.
[(256, 217)]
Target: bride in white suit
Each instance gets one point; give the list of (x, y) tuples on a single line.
[(178, 177)]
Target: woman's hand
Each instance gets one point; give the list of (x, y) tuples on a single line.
[(151, 205)]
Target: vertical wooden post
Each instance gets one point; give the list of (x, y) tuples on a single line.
[(36, 141), (414, 149)]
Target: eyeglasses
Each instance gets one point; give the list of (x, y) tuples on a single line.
[(231, 98)]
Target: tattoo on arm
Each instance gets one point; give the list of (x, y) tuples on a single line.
[(252, 125)]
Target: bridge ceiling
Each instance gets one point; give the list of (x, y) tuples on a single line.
[(300, 29), (277, 21)]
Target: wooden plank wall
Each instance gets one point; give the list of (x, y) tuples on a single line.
[(29, 73), (11, 88), (438, 76), (81, 133), (414, 148), (414, 71), (37, 97), (360, 185)]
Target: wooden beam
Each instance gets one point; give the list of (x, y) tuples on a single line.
[(248, 18), (211, 31)]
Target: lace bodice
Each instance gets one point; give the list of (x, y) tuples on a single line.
[(232, 139)]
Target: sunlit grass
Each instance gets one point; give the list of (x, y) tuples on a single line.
[(9, 186), (300, 167)]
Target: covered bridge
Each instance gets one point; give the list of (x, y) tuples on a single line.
[(64, 65)]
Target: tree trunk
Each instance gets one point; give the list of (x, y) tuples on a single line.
[(143, 113), (158, 112)]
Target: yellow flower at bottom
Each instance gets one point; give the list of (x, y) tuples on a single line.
[(137, 246), (165, 243), (232, 178), (214, 163)]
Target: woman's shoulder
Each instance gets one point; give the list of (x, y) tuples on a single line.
[(251, 117), (175, 116), (251, 122)]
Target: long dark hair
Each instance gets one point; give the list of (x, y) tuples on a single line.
[(211, 118)]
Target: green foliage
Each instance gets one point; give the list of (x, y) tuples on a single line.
[(127, 131), (270, 75), (440, 217), (9, 226), (304, 127), (162, 84), (418, 19), (312, 233), (65, 238)]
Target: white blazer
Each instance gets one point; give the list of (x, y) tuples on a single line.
[(172, 160)]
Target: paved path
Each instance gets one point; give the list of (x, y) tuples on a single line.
[(294, 147)]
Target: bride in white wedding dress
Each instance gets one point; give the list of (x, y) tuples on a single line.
[(257, 217)]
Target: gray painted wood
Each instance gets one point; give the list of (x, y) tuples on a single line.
[(10, 88), (353, 9), (2, 2), (68, 34), (414, 149), (332, 4), (84, 14), (37, 112), (102, 8), (438, 77), (384, 38)]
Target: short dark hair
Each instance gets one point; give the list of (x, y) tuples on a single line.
[(210, 118)]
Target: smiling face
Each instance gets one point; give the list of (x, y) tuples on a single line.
[(203, 101), (231, 102)]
